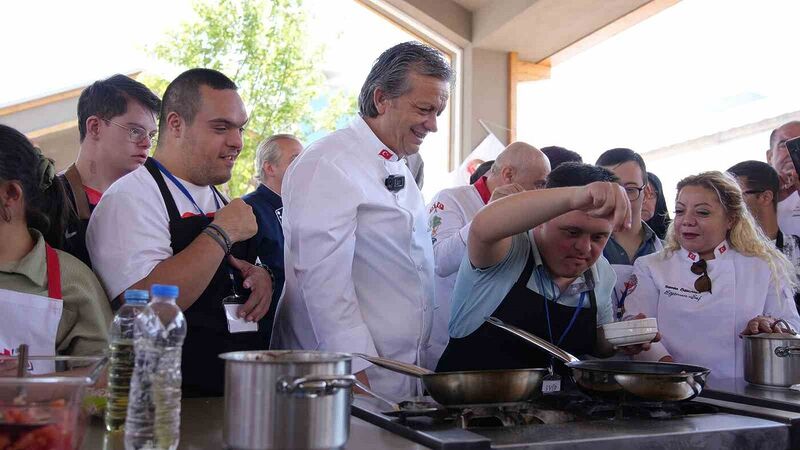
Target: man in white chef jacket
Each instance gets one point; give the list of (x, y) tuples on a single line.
[(788, 197), (358, 253), (519, 167)]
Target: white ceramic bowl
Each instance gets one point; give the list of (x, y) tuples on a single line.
[(649, 322), (631, 339), (618, 333)]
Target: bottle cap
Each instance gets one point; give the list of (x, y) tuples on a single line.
[(164, 290), (136, 297)]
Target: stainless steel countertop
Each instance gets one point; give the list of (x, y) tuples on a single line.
[(201, 428), (740, 391)]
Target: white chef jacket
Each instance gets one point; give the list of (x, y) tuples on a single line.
[(703, 328), (789, 214), (449, 215), (358, 258)]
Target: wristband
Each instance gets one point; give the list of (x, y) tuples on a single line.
[(222, 233), (217, 238), (269, 271)]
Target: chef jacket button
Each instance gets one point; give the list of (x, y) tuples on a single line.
[(419, 268), (413, 229)]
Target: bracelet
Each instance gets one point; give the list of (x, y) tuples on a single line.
[(269, 271), (217, 238), (222, 233)]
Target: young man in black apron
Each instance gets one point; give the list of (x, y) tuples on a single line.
[(116, 124), (171, 202), (534, 261)]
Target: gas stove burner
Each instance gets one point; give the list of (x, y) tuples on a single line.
[(416, 408)]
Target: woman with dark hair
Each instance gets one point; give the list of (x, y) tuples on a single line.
[(48, 299), (654, 207)]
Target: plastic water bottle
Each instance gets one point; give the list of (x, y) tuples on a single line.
[(154, 407), (120, 352)]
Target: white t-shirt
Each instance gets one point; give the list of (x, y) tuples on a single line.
[(128, 232), (789, 215)]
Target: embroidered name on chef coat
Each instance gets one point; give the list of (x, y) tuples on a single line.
[(691, 294)]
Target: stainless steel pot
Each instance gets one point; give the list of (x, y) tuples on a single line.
[(772, 359), (287, 400)]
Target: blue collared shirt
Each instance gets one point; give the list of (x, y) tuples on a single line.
[(268, 208), (478, 292)]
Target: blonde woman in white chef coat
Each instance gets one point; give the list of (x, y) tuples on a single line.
[(718, 277)]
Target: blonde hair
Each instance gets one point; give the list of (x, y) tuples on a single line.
[(744, 236)]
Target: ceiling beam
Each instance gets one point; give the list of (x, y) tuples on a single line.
[(634, 17)]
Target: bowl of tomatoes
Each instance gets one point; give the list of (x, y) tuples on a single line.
[(43, 409)]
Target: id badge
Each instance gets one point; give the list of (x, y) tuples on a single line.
[(237, 324), (551, 383)]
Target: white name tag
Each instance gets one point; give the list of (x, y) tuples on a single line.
[(237, 324), (551, 383)]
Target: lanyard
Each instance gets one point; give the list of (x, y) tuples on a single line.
[(547, 314), (188, 195), (183, 189)]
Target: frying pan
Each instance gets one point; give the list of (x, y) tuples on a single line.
[(619, 379), (472, 387)]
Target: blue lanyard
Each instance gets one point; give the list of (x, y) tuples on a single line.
[(183, 189), (571, 322), (185, 192)]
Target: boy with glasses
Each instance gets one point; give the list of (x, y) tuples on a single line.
[(117, 126), (626, 245)]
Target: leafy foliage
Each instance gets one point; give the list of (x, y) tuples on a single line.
[(262, 46)]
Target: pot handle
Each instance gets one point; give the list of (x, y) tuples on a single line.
[(788, 327), (313, 386), (559, 353), (370, 392), (789, 350)]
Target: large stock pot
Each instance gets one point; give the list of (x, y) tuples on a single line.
[(772, 359), (287, 400)]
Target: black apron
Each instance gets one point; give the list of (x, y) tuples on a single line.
[(489, 347), (207, 335)]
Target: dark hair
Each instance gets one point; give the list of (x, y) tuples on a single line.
[(46, 207), (183, 93), (390, 72), (578, 174), (559, 155), (480, 171), (660, 220), (760, 176), (109, 98), (617, 156)]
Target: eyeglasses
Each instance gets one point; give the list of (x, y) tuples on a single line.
[(753, 191), (702, 284), (136, 134), (634, 192)]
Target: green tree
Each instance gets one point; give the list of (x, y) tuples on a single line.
[(262, 46)]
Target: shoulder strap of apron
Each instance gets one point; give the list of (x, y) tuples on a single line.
[(592, 297), (219, 194), (76, 184), (53, 273), (166, 195)]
